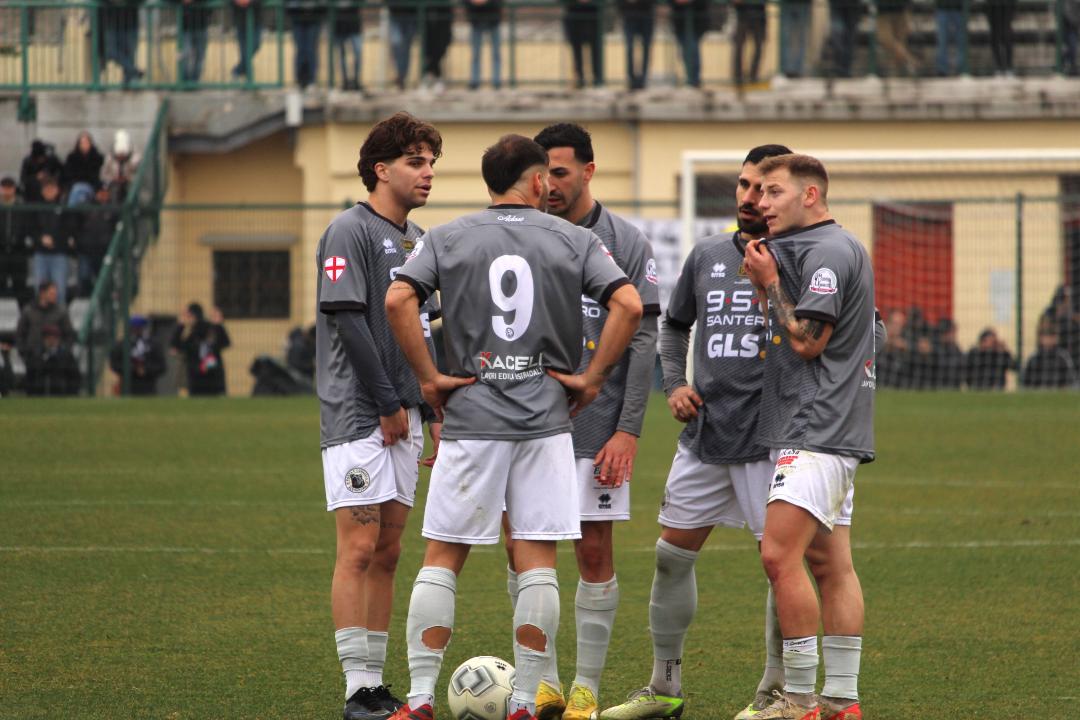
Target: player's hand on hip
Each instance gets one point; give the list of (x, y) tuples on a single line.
[(394, 427), (435, 430), (437, 390), (684, 403), (580, 390), (616, 459), (760, 264)]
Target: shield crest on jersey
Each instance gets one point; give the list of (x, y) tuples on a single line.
[(334, 267)]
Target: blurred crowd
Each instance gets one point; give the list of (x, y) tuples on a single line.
[(430, 23), (922, 355)]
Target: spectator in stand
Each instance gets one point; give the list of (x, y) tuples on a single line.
[(92, 240), (794, 29), (438, 32), (920, 364), (120, 35), (844, 16), (348, 36), (7, 365), (952, 35), (988, 362), (893, 28), (581, 22), (147, 358), (638, 21), (120, 167), (15, 242), (200, 343), (53, 370), (1050, 366), (1070, 31), (1065, 315), (750, 24), (689, 21), (300, 351), (484, 18), (35, 316), (307, 18), (893, 358), (53, 241), (245, 14), (81, 174), (39, 164), (195, 17), (948, 357), (1000, 14), (404, 24)]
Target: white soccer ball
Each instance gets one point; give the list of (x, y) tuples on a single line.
[(480, 689)]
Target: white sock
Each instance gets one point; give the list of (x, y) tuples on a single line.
[(672, 605), (594, 615), (800, 664), (773, 677), (842, 655), (431, 605), (376, 644), (538, 606), (352, 651)]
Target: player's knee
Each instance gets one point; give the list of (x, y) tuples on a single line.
[(436, 638), (775, 561), (531, 637), (387, 556), (593, 558), (356, 555)]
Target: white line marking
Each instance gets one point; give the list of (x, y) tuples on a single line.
[(983, 484), (170, 550)]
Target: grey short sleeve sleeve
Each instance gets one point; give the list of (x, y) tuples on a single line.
[(601, 276), (682, 307), (421, 270), (344, 267), (826, 272), (641, 269)]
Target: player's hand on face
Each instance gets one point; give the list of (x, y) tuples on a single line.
[(394, 427), (437, 391), (435, 430), (684, 403), (616, 459), (760, 264), (579, 389)]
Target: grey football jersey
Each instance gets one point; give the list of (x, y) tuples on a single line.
[(825, 404), (632, 252), (729, 350), (357, 259), (512, 278)]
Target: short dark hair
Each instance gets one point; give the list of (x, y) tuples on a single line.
[(390, 139), (567, 135), (196, 310), (45, 285), (504, 162), (8, 181), (802, 167), (761, 152)]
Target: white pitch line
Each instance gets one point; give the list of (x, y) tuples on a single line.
[(746, 547), (983, 484)]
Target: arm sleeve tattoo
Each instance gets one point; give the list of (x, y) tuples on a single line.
[(804, 329)]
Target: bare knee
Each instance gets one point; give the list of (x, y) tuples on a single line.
[(531, 637), (594, 560), (775, 561), (387, 556), (356, 555), (436, 638)]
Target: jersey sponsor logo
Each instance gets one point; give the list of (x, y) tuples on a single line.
[(743, 278), (870, 371), (823, 282), (510, 367), (425, 323), (650, 271), (722, 345), (590, 308), (510, 218), (417, 249), (719, 270), (389, 248), (334, 267), (357, 480), (787, 457)]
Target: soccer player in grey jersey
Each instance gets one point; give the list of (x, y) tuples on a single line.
[(720, 474), (817, 415), (512, 278), (369, 399), (605, 433)]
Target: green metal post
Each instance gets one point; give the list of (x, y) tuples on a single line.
[(872, 64), (95, 43), (1019, 275), (125, 296), (331, 23), (24, 44), (180, 82), (280, 14), (249, 41), (513, 46)]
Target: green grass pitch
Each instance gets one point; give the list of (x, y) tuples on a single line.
[(172, 559)]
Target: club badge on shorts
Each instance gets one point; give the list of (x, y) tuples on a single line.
[(357, 480)]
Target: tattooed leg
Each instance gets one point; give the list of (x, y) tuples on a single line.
[(379, 590), (357, 536)]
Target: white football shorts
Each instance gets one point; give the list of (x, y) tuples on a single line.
[(698, 494), (601, 502), (363, 472), (822, 484), (473, 480)]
